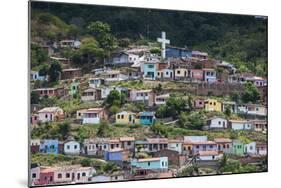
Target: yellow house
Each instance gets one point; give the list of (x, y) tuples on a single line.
[(181, 73), (212, 105), (187, 148), (126, 118)]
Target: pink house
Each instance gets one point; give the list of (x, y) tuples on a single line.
[(50, 92), (140, 95), (199, 103), (50, 114), (34, 119), (196, 74), (46, 176)]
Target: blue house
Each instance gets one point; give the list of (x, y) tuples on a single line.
[(49, 146), (157, 163), (36, 76), (209, 75), (177, 52), (150, 70), (147, 118), (116, 155)]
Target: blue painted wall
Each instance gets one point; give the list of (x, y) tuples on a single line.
[(162, 163), (50, 147), (113, 156), (176, 52)]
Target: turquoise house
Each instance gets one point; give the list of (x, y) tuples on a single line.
[(149, 70), (158, 163), (73, 88), (146, 118), (49, 146), (238, 148)]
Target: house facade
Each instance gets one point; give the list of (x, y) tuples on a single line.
[(72, 148), (209, 75), (95, 82), (253, 109), (240, 124), (175, 145), (224, 145), (71, 73), (35, 75), (90, 95), (209, 155), (212, 105), (50, 92), (35, 145), (73, 89), (93, 116), (126, 118), (199, 103), (196, 75), (73, 173), (156, 144), (118, 155), (139, 95), (46, 176), (260, 125), (157, 163), (149, 70), (146, 118), (181, 73), (250, 148), (50, 114), (49, 146), (238, 148), (261, 148), (217, 123), (96, 146)]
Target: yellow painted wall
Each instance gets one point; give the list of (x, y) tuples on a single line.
[(124, 118), (213, 105), (181, 72)]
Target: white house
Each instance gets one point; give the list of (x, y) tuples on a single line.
[(50, 114), (106, 90), (250, 148), (95, 82), (139, 95), (261, 149), (101, 178), (70, 44), (192, 139), (93, 116), (90, 95), (253, 109), (73, 173), (257, 81), (161, 99), (34, 175), (209, 155), (217, 123), (240, 124), (175, 145), (72, 147), (36, 76), (96, 145), (118, 58)]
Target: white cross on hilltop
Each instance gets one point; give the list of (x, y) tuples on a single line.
[(164, 41)]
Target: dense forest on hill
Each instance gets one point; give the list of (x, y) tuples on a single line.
[(241, 40)]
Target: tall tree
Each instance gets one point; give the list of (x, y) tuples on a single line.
[(89, 52), (54, 71), (250, 94), (101, 31)]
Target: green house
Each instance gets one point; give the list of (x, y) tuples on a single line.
[(238, 148), (73, 88)]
